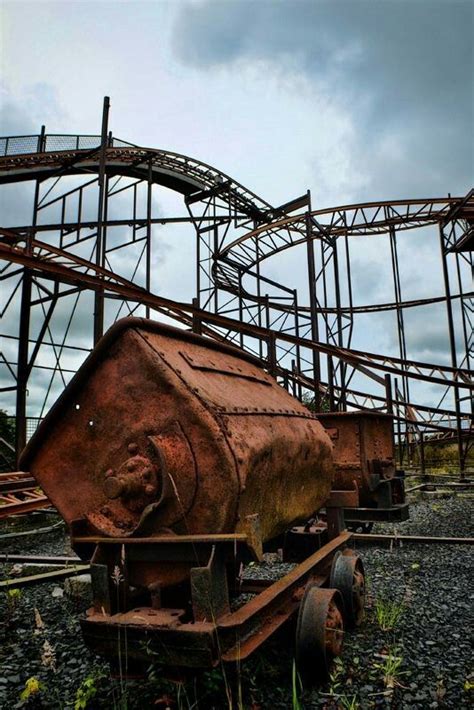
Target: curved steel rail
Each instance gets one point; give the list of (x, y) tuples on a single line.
[(52, 156), (178, 172), (366, 219)]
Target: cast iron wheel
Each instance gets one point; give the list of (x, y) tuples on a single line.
[(347, 575), (319, 633)]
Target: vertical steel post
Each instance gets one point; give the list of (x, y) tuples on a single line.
[(399, 309), (422, 456), (313, 306), (399, 426), (100, 246), (22, 370), (340, 342), (149, 196), (212, 262), (241, 310), (24, 329), (197, 324), (388, 393), (332, 404), (259, 290), (272, 354), (452, 346), (297, 349)]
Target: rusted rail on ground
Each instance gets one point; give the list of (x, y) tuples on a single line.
[(371, 537), (16, 481), (19, 493), (54, 560), (30, 580)]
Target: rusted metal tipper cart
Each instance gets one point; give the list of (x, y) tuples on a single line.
[(174, 459), (364, 457)]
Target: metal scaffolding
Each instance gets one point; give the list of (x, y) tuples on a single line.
[(85, 258)]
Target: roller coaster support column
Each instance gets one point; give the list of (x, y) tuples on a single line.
[(101, 218), (452, 344), (22, 369), (313, 305), (24, 332)]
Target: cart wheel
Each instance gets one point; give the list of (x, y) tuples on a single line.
[(319, 633), (347, 575)]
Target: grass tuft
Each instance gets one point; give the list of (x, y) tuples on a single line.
[(388, 613)]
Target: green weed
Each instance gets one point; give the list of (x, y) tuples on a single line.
[(87, 691), (391, 668), (296, 688), (33, 686), (388, 613)]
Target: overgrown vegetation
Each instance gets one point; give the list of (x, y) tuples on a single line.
[(388, 612), (88, 690), (391, 668), (7, 442), (308, 400)]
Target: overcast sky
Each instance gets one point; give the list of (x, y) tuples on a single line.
[(354, 99)]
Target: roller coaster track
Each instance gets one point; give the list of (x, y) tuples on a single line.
[(265, 231), (51, 262)]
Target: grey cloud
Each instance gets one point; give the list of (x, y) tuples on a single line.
[(38, 104), (402, 70)]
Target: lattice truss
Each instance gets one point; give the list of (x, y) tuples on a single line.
[(84, 257)]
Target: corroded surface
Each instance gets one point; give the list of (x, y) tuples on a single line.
[(164, 431)]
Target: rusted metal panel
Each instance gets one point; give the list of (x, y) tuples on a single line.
[(363, 451), (165, 432)]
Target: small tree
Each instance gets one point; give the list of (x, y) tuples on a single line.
[(308, 400), (7, 442)]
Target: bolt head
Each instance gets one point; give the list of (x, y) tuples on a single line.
[(113, 487)]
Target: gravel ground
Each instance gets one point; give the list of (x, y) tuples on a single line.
[(428, 586)]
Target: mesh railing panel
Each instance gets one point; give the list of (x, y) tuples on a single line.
[(32, 424), (16, 145), (19, 144), (58, 143)]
